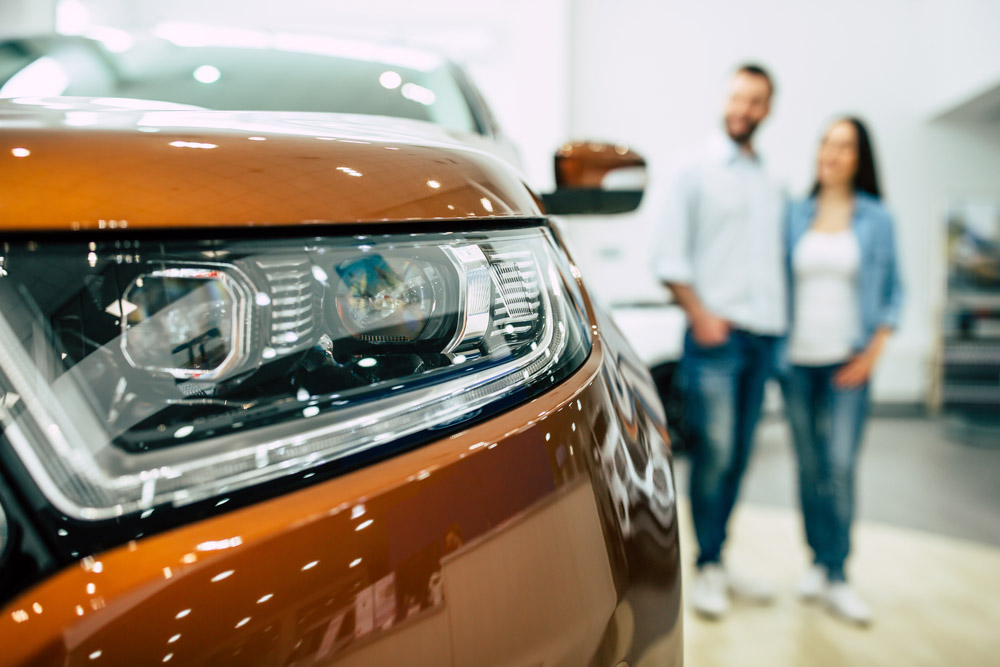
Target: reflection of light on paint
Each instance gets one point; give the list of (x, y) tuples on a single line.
[(182, 614), (219, 545), (265, 598), (243, 622), (257, 138), (207, 74), (311, 411), (367, 362), (20, 152), (309, 566), (80, 118), (192, 144), (95, 655), (91, 589), (364, 524), (487, 204), (390, 80), (319, 274), (174, 638), (223, 575), (433, 184), (355, 562), (184, 431)]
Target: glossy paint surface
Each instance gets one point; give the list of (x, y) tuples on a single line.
[(544, 536), (536, 525), (91, 166), (584, 164)]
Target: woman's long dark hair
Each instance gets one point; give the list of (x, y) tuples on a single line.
[(866, 177)]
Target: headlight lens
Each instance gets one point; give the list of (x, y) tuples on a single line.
[(177, 371), (185, 322)]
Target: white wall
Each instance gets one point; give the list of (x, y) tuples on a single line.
[(653, 73), (963, 48), (23, 17)]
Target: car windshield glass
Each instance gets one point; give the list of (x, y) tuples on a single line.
[(403, 85)]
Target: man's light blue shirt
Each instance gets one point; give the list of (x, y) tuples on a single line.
[(721, 232)]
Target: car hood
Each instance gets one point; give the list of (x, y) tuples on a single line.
[(72, 164)]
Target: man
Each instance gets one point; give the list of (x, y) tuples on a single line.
[(720, 253)]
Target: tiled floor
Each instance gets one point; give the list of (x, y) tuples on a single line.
[(936, 600), (926, 556)]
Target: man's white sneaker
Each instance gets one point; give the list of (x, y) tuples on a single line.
[(813, 583), (844, 602), (709, 595), (752, 590)]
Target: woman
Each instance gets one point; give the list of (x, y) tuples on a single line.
[(845, 297)]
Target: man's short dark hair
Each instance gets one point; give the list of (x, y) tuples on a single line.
[(756, 70)]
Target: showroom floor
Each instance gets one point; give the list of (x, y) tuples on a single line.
[(926, 556)]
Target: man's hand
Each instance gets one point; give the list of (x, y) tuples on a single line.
[(710, 330)]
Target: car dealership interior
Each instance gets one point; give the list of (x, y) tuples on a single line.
[(573, 140)]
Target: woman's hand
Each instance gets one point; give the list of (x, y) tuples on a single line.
[(856, 372)]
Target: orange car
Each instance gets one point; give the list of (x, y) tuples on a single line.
[(291, 389)]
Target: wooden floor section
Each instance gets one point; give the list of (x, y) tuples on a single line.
[(936, 600)]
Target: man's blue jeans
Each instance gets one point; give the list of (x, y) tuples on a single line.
[(724, 389), (827, 423)]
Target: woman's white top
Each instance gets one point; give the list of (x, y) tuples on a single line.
[(827, 312)]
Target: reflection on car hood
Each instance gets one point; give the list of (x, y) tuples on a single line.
[(73, 163)]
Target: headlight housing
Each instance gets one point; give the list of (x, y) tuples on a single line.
[(150, 373)]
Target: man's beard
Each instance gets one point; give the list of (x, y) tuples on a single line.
[(744, 137)]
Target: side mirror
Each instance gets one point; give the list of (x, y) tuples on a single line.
[(596, 178)]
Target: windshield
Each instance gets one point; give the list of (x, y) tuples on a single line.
[(391, 82)]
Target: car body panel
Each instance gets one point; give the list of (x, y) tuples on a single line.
[(544, 535), (513, 527), (239, 169)]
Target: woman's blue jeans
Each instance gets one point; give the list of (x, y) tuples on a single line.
[(827, 424)]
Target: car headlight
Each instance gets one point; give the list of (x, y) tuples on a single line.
[(176, 371)]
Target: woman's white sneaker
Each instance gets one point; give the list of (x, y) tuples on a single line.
[(844, 602), (813, 583)]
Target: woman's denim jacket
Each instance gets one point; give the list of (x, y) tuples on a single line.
[(880, 292)]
